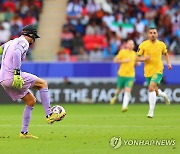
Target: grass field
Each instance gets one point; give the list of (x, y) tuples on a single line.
[(87, 129)]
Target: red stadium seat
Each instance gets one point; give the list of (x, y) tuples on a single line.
[(67, 51), (91, 41), (73, 58)]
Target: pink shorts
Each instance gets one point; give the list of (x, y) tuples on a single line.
[(29, 80)]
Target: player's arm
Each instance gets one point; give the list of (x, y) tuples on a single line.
[(140, 54), (142, 58), (17, 59), (137, 63), (18, 80), (166, 57), (117, 60)]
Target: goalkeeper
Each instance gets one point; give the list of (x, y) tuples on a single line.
[(17, 83)]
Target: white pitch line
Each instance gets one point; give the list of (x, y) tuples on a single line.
[(119, 126)]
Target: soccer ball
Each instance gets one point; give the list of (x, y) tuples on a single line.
[(57, 109)]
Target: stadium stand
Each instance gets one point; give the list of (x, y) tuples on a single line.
[(14, 14), (50, 26), (105, 24), (91, 27)]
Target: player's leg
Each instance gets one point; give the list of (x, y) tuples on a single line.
[(127, 93), (126, 99), (152, 98), (30, 101), (42, 86), (32, 81), (158, 91), (163, 94), (120, 84), (115, 97)]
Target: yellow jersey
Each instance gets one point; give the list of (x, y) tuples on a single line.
[(127, 69), (155, 51)]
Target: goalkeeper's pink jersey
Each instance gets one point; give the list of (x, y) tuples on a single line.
[(14, 52)]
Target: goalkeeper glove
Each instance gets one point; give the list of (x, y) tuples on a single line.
[(18, 80), (1, 50)]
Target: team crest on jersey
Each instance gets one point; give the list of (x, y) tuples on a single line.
[(130, 83), (23, 45), (154, 77)]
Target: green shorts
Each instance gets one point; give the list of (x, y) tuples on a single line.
[(155, 78), (125, 82)]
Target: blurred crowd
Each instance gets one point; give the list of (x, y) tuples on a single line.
[(15, 14), (96, 30)]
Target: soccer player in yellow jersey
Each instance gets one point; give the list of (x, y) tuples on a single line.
[(151, 52), (126, 73)]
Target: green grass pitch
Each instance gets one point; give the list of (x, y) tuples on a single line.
[(87, 129)]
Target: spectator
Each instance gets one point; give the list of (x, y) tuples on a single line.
[(35, 11), (129, 18), (74, 9), (139, 26), (15, 31), (110, 51), (92, 7), (175, 20), (8, 14), (103, 28), (9, 5), (107, 6), (37, 4), (121, 33), (23, 8), (175, 46), (95, 54), (29, 19), (2, 15), (16, 20), (62, 55), (77, 43), (114, 41), (108, 19), (16, 13), (92, 28), (4, 34), (80, 27), (83, 56), (67, 38)]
